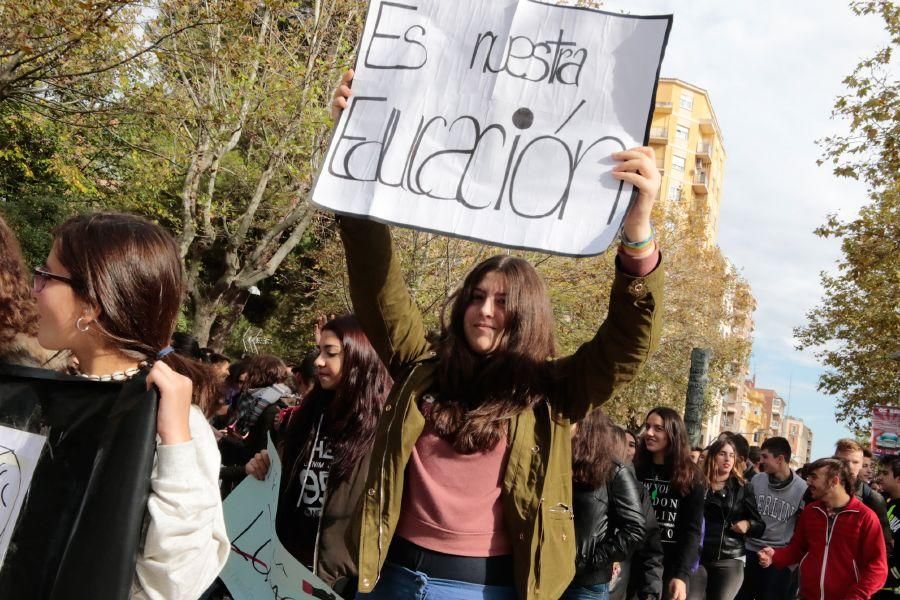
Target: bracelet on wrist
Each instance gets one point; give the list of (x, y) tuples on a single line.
[(638, 245)]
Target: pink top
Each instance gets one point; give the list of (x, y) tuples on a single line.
[(451, 501)]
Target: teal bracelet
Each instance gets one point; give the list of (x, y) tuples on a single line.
[(638, 245)]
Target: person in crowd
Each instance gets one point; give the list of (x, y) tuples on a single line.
[(264, 393), (742, 447), (219, 362), (852, 452), (304, 375), (469, 492), (609, 517), (779, 498), (676, 488), (696, 451), (752, 463), (837, 538), (730, 514), (890, 483), (110, 292), (18, 316), (867, 473), (187, 345), (631, 445), (328, 444), (640, 575)]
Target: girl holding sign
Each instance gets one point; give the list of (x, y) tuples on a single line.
[(110, 292), (469, 490), (327, 445), (663, 463)]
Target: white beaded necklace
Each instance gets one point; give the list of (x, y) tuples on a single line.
[(117, 376)]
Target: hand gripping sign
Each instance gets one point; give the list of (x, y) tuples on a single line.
[(495, 120)]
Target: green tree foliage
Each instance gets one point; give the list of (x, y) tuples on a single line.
[(235, 121), (856, 327)]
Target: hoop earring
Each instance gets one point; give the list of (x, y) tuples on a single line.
[(78, 325)]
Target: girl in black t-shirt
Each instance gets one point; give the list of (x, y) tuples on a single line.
[(675, 485), (327, 442)]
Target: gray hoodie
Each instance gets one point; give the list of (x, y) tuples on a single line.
[(778, 504)]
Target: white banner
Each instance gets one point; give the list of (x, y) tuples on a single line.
[(495, 120)]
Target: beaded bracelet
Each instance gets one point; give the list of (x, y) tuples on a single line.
[(638, 245)]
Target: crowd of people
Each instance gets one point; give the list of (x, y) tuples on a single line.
[(477, 466)]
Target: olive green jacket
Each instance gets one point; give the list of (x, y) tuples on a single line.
[(537, 485)]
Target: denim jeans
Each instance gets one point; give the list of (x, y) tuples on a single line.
[(598, 591), (398, 583)]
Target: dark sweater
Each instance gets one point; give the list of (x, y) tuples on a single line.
[(680, 519)]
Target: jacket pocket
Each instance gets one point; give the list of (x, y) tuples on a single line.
[(557, 549)]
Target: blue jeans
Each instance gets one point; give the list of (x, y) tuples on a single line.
[(399, 583), (598, 591)]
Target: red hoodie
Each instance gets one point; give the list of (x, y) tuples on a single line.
[(846, 563)]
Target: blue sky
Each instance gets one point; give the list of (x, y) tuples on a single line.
[(772, 70)]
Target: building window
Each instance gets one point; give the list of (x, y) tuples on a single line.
[(678, 164), (674, 191), (687, 100), (681, 133)]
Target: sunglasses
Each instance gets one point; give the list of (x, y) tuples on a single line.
[(41, 276)]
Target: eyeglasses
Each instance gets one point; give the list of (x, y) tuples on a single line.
[(41, 276)]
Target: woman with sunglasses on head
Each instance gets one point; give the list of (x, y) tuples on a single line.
[(663, 464), (469, 491), (110, 292), (609, 518), (327, 446), (730, 516)]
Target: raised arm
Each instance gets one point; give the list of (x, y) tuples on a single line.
[(381, 300), (632, 327)]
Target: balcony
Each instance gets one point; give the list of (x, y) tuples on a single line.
[(700, 183), (664, 107), (707, 127), (704, 152), (659, 135)]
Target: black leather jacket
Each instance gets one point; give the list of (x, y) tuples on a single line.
[(609, 525), (722, 509)]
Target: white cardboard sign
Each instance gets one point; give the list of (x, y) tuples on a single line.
[(19, 455), (495, 120)]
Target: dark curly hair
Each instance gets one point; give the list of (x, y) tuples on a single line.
[(17, 309)]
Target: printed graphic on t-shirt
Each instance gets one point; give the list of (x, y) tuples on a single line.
[(314, 480), (775, 507), (665, 506)]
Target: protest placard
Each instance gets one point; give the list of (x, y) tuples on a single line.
[(19, 454), (495, 121), (259, 566)]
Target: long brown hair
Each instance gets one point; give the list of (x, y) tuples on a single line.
[(129, 270), (709, 465), (17, 310), (596, 446), (684, 473), (478, 393), (351, 410)]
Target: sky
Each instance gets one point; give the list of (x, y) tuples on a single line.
[(772, 71)]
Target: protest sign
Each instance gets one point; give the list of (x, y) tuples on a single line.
[(885, 430), (19, 454), (495, 120), (259, 566)]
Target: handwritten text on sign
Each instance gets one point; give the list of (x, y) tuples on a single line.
[(494, 120), (259, 566)]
